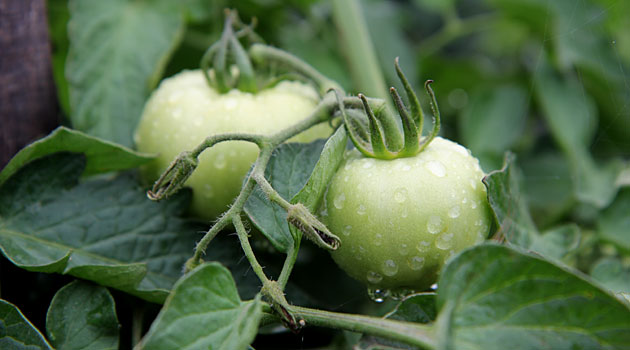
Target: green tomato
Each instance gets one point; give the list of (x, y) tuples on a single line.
[(400, 220), (184, 110)]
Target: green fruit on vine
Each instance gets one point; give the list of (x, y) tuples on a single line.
[(184, 110), (400, 220)]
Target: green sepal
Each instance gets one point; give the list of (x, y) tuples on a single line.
[(376, 136), (436, 116), (410, 131)]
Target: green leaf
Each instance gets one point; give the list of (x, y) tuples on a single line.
[(118, 49), (287, 171), (16, 332), (514, 221), (558, 243), (496, 295), (510, 210), (104, 229), (82, 316), (331, 157), (611, 273), (548, 186), (418, 308), (493, 122), (102, 156), (614, 221), (571, 116), (204, 311)]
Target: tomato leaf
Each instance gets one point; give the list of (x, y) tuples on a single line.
[(614, 221), (287, 171), (102, 156), (548, 184), (571, 116), (611, 273), (104, 229), (118, 50), (500, 295), (493, 122), (82, 316), (204, 311), (16, 332), (514, 221), (331, 156), (507, 202)]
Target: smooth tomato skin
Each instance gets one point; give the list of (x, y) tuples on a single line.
[(400, 220), (184, 110)]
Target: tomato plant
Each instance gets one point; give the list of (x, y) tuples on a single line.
[(184, 110)]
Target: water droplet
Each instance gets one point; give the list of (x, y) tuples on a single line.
[(473, 204), (377, 295), (338, 202), (436, 168), (361, 209), (435, 224), (219, 161), (390, 268), (346, 167), (406, 167), (404, 213), (473, 183), (416, 263), (404, 249), (444, 241), (374, 277), (434, 286), (400, 195), (423, 246), (346, 178), (455, 211), (347, 230), (378, 239), (368, 163), (465, 200)]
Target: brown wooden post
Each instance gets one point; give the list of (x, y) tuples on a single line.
[(28, 103)]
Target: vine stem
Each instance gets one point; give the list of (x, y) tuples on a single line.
[(363, 62), (416, 334), (261, 52)]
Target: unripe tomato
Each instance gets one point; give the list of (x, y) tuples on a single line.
[(184, 110), (400, 220)]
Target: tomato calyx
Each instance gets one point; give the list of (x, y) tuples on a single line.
[(381, 137), (240, 60)]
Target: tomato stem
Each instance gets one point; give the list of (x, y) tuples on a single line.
[(416, 334), (261, 53)]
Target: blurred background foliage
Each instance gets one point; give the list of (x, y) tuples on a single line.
[(546, 79)]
